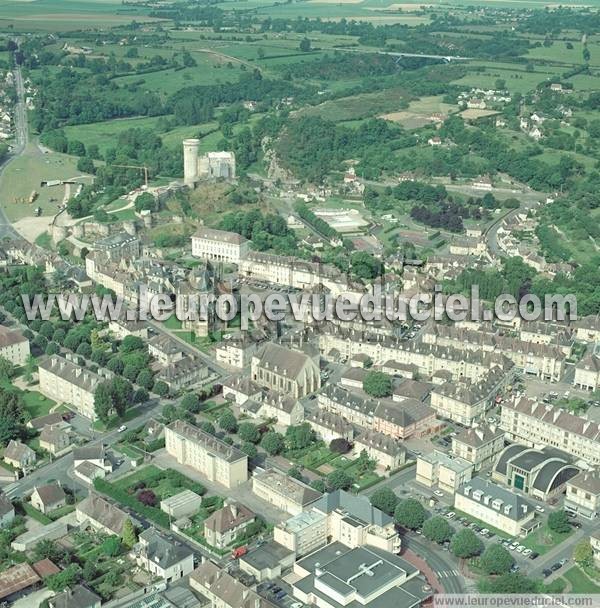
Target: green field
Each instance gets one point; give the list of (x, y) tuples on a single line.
[(580, 583)]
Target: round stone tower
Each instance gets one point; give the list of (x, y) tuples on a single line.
[(190, 161)]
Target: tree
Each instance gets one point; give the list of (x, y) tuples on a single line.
[(304, 45), (438, 529), (30, 367), (249, 449), (410, 513), (339, 445), (496, 560), (128, 535), (111, 546), (465, 544), (295, 472), (52, 349), (385, 500), (228, 422), (145, 379), (191, 402), (161, 388), (12, 414), (300, 436), (273, 443), (377, 384), (131, 344), (318, 485), (208, 427), (583, 554), (147, 497), (249, 432), (48, 549), (512, 582), (61, 580), (86, 165), (7, 369), (558, 521), (339, 480)]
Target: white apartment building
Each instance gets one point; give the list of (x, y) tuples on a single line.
[(479, 445), (587, 373), (496, 507), (14, 346), (444, 471), (216, 460), (583, 494), (283, 492), (67, 382), (219, 245), (538, 425)]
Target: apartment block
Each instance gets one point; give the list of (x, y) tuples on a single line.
[(538, 425), (283, 492), (443, 470), (479, 445), (67, 382), (14, 346), (216, 460), (583, 494)]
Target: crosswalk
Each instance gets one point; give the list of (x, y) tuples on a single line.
[(447, 573)]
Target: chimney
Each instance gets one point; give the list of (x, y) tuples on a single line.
[(234, 510)]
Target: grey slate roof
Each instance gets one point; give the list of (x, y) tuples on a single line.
[(163, 550), (358, 506)]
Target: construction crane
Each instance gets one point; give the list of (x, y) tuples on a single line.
[(145, 169)]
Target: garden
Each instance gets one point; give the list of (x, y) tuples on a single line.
[(143, 490)]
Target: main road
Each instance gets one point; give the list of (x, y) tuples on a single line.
[(21, 139)]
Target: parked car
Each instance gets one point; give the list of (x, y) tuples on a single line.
[(450, 515), (122, 428), (527, 552), (546, 572), (534, 555), (438, 493), (539, 509), (555, 567), (513, 546), (483, 532)]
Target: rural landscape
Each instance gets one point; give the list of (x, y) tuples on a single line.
[(178, 178)]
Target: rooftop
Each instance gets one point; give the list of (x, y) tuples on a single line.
[(209, 442), (291, 488)]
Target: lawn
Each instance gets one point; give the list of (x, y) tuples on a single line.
[(580, 583), (114, 421), (36, 404), (544, 539)]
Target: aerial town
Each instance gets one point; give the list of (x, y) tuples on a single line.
[(193, 194)]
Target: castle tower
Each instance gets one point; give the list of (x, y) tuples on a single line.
[(190, 161)]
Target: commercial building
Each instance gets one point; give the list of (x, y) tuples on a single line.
[(267, 562), (219, 245), (443, 470), (538, 473), (284, 370), (67, 382), (283, 492), (14, 346), (337, 576), (338, 516), (583, 494), (497, 507), (539, 425), (479, 445), (216, 460)]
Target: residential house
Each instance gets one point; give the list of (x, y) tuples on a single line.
[(55, 439), (76, 596), (328, 426), (587, 373), (96, 512), (163, 556), (48, 497), (223, 526), (19, 455), (385, 450)]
